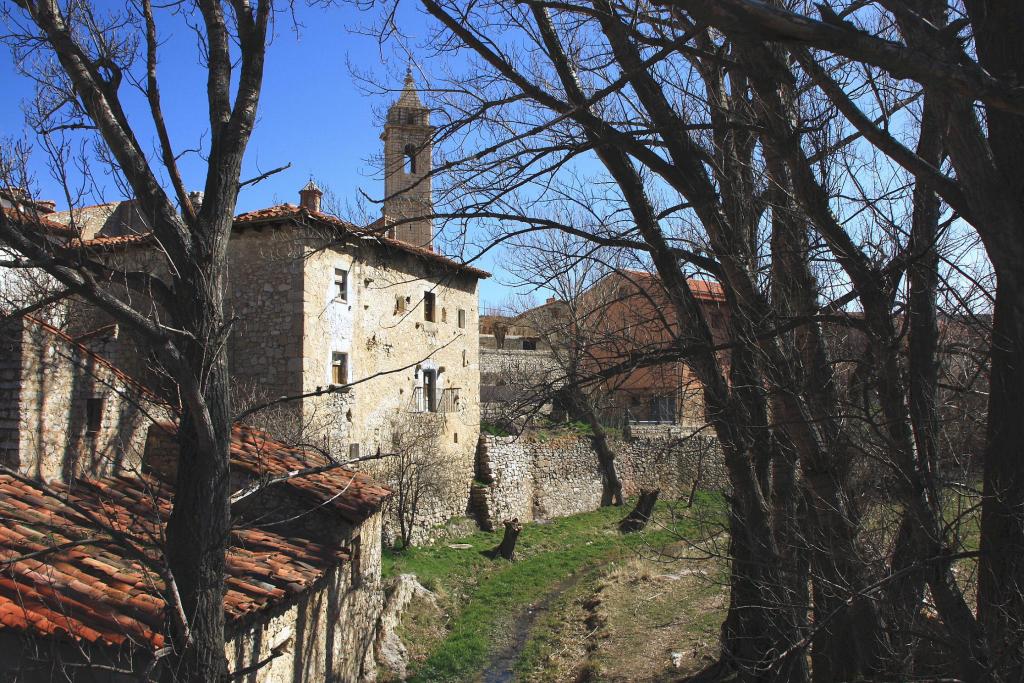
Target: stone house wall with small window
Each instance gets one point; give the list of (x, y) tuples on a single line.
[(407, 328), (66, 411)]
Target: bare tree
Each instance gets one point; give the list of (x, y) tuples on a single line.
[(706, 153), (414, 470), (84, 61)]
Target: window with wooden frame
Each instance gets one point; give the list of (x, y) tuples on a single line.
[(93, 415), (340, 284), (429, 305), (339, 368)]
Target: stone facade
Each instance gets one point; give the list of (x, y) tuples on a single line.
[(65, 411), (327, 635), (528, 478), (294, 324)]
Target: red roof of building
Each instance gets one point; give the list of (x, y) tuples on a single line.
[(114, 241), (354, 495), (94, 589), (37, 219), (704, 290), (290, 212)]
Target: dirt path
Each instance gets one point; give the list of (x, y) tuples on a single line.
[(501, 666)]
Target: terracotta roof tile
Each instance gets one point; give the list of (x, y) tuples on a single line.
[(354, 495), (114, 242), (98, 592), (706, 290), (37, 219), (290, 212), (283, 212)]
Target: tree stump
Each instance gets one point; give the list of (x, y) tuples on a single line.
[(507, 549), (641, 514)]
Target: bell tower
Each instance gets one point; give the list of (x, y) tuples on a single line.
[(407, 162)]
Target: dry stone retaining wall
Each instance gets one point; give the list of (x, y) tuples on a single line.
[(527, 478)]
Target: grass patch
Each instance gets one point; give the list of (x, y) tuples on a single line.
[(482, 596), (494, 430)]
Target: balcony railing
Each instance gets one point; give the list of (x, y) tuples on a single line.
[(445, 401)]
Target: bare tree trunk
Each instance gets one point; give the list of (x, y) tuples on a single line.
[(507, 548), (641, 514)]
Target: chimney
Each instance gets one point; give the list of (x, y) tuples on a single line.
[(309, 197), (196, 198)]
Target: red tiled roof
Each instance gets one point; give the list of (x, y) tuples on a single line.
[(290, 212), (37, 219), (352, 494), (98, 591), (114, 241), (705, 290), (284, 212)]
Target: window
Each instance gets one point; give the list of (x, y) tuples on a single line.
[(430, 390), (410, 159), (399, 304), (529, 345), (357, 560), (93, 415), (462, 318), (339, 368), (353, 451), (444, 314), (340, 284), (429, 303)]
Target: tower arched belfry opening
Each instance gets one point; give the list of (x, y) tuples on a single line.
[(407, 138), (410, 159)]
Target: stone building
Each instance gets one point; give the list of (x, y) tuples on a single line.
[(303, 593), (521, 362), (65, 410), (319, 303), (632, 316)]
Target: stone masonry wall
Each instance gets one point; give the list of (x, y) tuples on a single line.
[(47, 382), (527, 478), (327, 635), (382, 327)]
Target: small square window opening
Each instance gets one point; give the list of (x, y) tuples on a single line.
[(429, 304)]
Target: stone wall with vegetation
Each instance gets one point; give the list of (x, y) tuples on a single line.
[(543, 475)]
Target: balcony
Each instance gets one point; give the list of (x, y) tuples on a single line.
[(446, 401)]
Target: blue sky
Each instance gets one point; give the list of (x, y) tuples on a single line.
[(313, 112)]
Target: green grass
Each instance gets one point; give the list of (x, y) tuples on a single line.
[(482, 596)]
